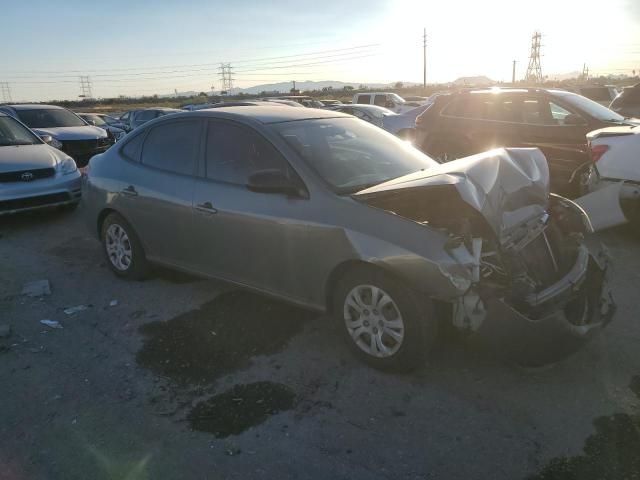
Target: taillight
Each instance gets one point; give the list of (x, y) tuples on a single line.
[(597, 151)]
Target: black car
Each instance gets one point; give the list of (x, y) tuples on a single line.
[(628, 102), (63, 129), (470, 121)]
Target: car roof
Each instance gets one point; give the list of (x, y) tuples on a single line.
[(268, 114), (34, 106)]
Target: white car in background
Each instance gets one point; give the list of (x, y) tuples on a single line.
[(392, 101), (613, 181)]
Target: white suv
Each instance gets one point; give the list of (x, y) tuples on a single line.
[(392, 101)]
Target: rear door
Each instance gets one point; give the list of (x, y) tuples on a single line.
[(563, 143), (158, 201), (244, 236), (476, 122)]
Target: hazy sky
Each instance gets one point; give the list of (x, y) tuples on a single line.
[(146, 47)]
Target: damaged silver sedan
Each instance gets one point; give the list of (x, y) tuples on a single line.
[(331, 213)]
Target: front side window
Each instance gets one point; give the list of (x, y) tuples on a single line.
[(380, 100), (364, 99), (234, 153), (49, 118), (351, 155), (173, 146), (13, 133)]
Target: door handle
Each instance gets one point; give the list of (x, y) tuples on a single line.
[(130, 191), (206, 207)]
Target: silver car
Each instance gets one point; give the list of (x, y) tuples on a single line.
[(33, 174), (326, 211)]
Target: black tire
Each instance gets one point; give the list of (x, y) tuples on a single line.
[(417, 315), (138, 267)]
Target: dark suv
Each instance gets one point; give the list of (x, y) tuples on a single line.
[(472, 121), (628, 102)]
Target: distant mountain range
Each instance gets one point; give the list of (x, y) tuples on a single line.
[(285, 87)]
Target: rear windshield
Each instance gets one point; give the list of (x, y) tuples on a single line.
[(45, 118)]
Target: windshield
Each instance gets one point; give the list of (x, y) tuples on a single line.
[(397, 98), (590, 107), (95, 119), (45, 118), (351, 155), (13, 133)]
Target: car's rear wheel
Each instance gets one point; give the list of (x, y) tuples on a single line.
[(384, 322), (123, 249)]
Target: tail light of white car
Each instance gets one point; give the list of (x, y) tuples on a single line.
[(597, 151)]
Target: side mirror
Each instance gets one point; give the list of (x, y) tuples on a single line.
[(46, 139), (273, 181), (573, 119)]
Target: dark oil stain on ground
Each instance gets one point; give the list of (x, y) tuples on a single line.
[(243, 406), (78, 250), (612, 453), (221, 336)]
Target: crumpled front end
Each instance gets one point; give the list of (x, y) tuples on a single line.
[(580, 306), (527, 283)]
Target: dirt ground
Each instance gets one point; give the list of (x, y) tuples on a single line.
[(189, 378)]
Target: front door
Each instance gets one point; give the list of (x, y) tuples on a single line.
[(257, 239)]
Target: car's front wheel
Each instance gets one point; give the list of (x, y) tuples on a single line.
[(385, 322), (123, 249)]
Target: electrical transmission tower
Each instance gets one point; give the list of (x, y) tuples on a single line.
[(534, 70), (226, 78), (85, 87), (5, 90)]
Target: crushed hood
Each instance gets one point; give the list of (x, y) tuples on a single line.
[(506, 186)]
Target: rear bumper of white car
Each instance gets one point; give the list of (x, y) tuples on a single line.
[(59, 190)]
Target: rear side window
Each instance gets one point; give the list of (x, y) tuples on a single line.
[(469, 106), (173, 146), (133, 147), (146, 115), (364, 99), (234, 153)]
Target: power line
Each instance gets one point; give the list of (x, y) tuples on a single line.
[(260, 60)]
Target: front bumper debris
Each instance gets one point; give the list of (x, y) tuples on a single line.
[(559, 327)]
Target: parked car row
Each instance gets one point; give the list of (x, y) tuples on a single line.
[(252, 194)]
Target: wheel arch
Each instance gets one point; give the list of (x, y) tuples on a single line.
[(341, 269)]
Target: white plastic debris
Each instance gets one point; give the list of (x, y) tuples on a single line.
[(76, 309), (51, 323), (37, 288), (113, 303)]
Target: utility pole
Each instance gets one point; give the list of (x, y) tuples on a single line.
[(294, 86), (534, 70), (85, 87), (513, 73), (424, 58), (585, 72), (5, 90)]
